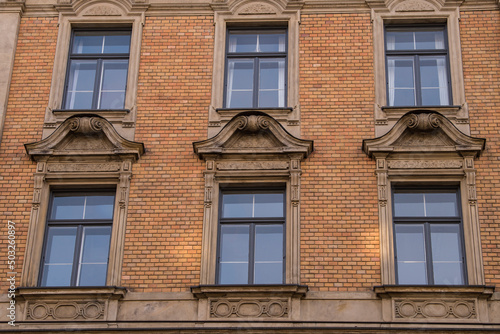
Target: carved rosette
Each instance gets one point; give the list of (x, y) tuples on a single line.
[(64, 311), (435, 309), (249, 308)]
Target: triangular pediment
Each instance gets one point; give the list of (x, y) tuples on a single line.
[(253, 133), (84, 136), (423, 131)]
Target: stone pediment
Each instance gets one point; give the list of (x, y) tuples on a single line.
[(423, 131), (253, 133), (84, 136)]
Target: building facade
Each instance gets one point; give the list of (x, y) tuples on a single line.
[(220, 166)]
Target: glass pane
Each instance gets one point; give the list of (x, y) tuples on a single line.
[(272, 74), (237, 205), (269, 243), (68, 207), (403, 73), (410, 252), (87, 42), (99, 207), (114, 75), (441, 205), (268, 273), (400, 40), (429, 40), (242, 42), (401, 81), (272, 42), (57, 274), (233, 273), (93, 275), (240, 83), (95, 246), (234, 243), (409, 205), (234, 254), (272, 83), (81, 82), (269, 205), (59, 255), (446, 254), (117, 43), (434, 80)]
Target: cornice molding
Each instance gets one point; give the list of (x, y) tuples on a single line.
[(423, 131), (88, 135)]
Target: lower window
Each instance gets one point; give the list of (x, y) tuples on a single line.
[(77, 239), (428, 236), (251, 238)]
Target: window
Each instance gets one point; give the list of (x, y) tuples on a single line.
[(428, 237), (256, 69), (417, 66), (77, 239), (97, 70), (251, 238)]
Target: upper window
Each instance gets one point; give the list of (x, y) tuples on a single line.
[(251, 238), (77, 239), (97, 70), (428, 233), (417, 66), (256, 68)]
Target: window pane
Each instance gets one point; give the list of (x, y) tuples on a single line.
[(441, 205), (88, 42), (272, 42), (99, 207), (410, 252), (434, 80), (400, 40), (94, 256), (234, 254), (59, 255), (401, 81), (242, 42), (237, 205), (240, 83), (68, 207), (446, 254), (81, 82), (269, 205), (117, 43), (409, 205), (272, 83), (429, 40), (114, 81), (268, 254)]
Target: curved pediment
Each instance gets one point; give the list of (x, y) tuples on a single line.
[(423, 131), (253, 133), (81, 136)]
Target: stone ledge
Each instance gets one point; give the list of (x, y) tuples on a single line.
[(279, 290)]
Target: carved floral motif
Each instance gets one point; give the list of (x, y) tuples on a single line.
[(414, 6), (454, 309), (257, 9), (102, 11), (251, 308), (62, 311), (251, 165), (424, 164)]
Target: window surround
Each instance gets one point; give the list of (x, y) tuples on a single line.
[(104, 160), (242, 14), (81, 14), (424, 147), (401, 13)]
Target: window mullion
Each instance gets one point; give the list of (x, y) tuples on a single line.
[(77, 257), (256, 82), (418, 83), (251, 255), (428, 253)]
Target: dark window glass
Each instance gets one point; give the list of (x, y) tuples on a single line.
[(251, 240), (97, 71), (77, 239), (417, 66), (428, 237), (256, 69)]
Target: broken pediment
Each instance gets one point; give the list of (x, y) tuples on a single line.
[(423, 131), (253, 133), (81, 136)]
